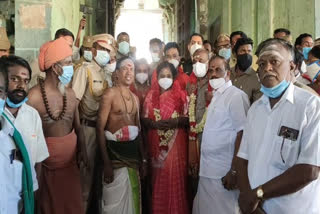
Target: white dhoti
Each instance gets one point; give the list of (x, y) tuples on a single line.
[(213, 198), (117, 197), (122, 196)]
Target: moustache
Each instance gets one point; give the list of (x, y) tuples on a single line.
[(267, 74), (16, 91)]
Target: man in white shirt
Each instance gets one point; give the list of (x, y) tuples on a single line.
[(280, 151), (15, 164), (24, 117), (220, 142)]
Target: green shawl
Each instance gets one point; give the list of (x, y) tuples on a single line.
[(27, 181)]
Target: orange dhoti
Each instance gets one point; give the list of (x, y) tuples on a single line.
[(60, 190)]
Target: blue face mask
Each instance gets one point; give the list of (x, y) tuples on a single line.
[(225, 53), (102, 58), (87, 55), (2, 104), (67, 74), (305, 52), (276, 91), (124, 47), (15, 105)]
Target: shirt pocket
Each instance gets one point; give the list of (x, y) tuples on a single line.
[(218, 120), (285, 152), (97, 84)]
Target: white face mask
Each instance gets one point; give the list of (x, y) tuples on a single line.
[(102, 58), (217, 83), (87, 55), (313, 70), (165, 83), (110, 67), (155, 57), (174, 62), (124, 47), (200, 69), (194, 47), (141, 77), (303, 68)]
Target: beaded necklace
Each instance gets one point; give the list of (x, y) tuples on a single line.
[(46, 103)]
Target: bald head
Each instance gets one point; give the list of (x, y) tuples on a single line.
[(200, 55)]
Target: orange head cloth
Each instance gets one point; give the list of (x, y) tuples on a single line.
[(52, 52)]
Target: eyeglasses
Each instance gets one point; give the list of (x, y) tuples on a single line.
[(224, 46)]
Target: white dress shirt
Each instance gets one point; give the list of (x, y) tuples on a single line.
[(226, 117), (10, 172), (261, 146), (29, 124)]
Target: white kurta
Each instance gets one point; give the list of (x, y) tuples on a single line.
[(10, 172), (29, 124), (213, 198), (261, 146), (226, 117)]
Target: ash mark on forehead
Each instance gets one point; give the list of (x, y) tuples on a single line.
[(271, 50)]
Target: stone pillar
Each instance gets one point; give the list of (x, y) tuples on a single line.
[(203, 17), (317, 18)]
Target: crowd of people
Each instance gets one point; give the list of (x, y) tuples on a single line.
[(224, 131)]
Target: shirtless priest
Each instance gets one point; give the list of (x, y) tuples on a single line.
[(118, 134), (60, 189)]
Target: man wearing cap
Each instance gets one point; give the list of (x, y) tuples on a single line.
[(60, 188), (223, 46), (89, 84), (4, 42), (85, 52)]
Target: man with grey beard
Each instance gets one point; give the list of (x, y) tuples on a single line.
[(60, 188)]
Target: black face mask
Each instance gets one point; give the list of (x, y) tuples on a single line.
[(244, 61)]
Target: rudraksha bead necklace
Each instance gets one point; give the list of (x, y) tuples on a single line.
[(46, 103)]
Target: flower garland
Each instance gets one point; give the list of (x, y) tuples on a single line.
[(195, 128), (164, 135)]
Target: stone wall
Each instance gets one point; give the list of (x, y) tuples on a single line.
[(36, 22), (259, 18), (32, 26)]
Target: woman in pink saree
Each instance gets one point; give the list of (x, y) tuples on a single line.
[(165, 117)]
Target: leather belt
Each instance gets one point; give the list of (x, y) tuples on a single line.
[(89, 123)]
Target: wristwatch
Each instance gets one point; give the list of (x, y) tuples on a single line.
[(260, 192)]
